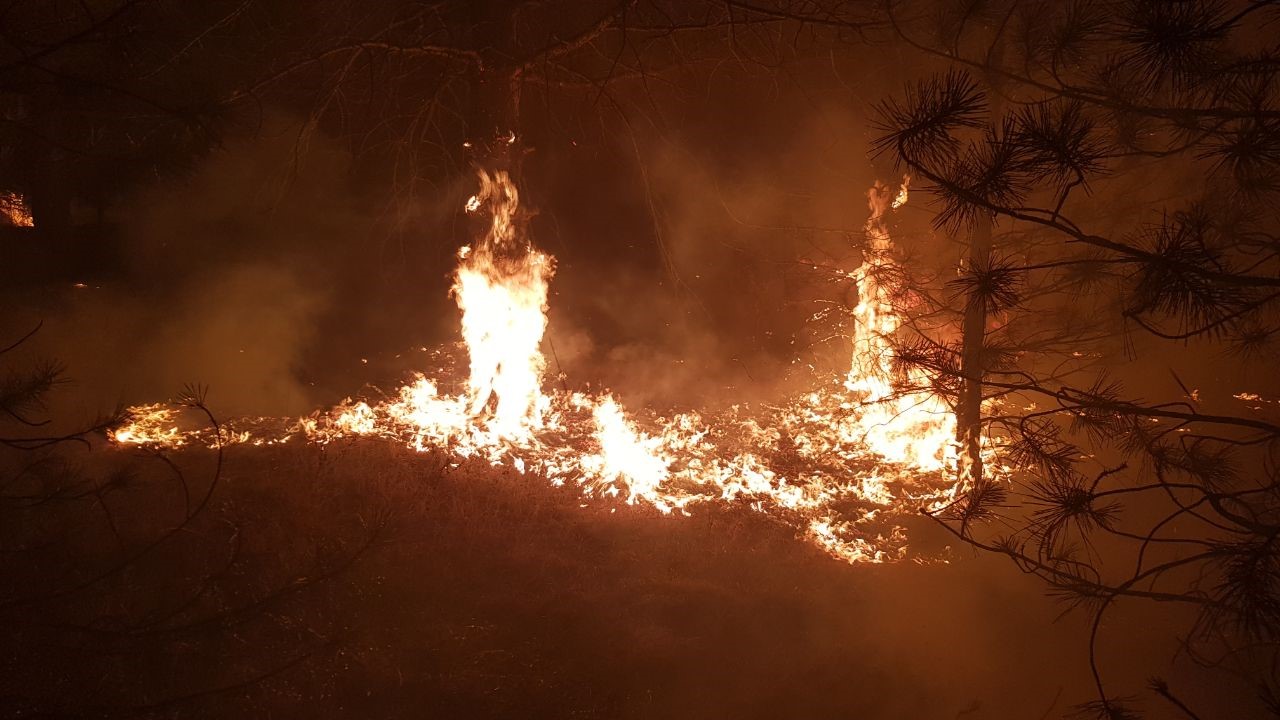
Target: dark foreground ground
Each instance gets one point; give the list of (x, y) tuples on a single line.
[(364, 581)]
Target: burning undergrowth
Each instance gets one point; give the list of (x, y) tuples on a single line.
[(843, 464)]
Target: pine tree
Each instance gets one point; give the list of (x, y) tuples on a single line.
[(1112, 496)]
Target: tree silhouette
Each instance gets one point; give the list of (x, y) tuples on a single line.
[(96, 97), (1111, 496)]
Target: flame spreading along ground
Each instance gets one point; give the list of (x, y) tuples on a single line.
[(839, 463)]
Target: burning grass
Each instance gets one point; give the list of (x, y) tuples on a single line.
[(863, 439)]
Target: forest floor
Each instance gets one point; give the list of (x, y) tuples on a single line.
[(362, 580)]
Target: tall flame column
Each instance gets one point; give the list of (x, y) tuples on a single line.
[(501, 288)]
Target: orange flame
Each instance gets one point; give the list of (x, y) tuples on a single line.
[(859, 450), (501, 288)]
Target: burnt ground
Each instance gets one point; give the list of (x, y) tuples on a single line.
[(365, 581)]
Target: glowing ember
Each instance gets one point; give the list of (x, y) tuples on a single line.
[(15, 211), (836, 463)]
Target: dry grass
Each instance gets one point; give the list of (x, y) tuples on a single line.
[(487, 594)]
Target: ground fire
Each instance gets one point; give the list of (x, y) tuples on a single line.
[(882, 445), (678, 359)]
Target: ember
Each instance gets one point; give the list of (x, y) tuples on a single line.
[(15, 211)]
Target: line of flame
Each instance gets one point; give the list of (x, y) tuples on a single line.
[(837, 463)]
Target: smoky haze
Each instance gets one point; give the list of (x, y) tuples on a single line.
[(699, 260), (278, 276)]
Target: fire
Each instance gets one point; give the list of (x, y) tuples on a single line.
[(15, 211), (911, 428), (636, 461), (155, 424), (501, 288), (837, 463)]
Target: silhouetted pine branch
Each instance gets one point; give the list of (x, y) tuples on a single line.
[(919, 127)]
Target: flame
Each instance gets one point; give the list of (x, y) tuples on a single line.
[(904, 424), (901, 198), (836, 463), (501, 288), (155, 424)]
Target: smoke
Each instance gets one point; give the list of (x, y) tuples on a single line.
[(239, 330), (221, 278), (742, 289), (691, 265), (267, 276)]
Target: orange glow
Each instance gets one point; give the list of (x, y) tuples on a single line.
[(15, 211), (837, 463), (905, 425), (155, 425)]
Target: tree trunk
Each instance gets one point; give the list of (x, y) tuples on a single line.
[(972, 370), (969, 408)]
